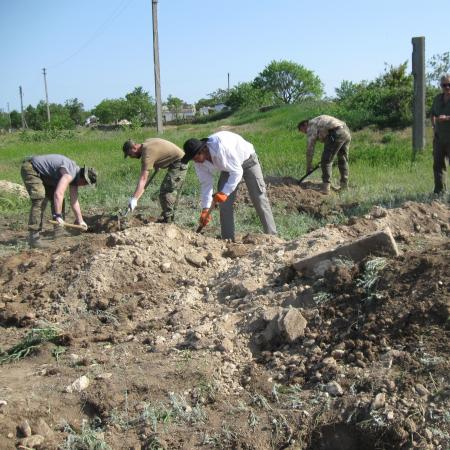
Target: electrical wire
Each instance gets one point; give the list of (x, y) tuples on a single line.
[(113, 16)]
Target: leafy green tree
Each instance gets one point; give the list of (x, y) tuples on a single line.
[(209, 102), (175, 104), (219, 96), (437, 65), (16, 119), (246, 95), (289, 82), (111, 110), (139, 107), (75, 110)]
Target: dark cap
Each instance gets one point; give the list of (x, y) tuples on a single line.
[(127, 146), (89, 174), (191, 147)]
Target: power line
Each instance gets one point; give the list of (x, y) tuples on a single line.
[(116, 13)]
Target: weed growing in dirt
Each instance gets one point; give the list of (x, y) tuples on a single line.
[(86, 439), (29, 344), (184, 412), (368, 281), (261, 401)]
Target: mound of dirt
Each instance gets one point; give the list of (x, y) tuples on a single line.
[(158, 337), (13, 189)]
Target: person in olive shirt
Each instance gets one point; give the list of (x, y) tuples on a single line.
[(440, 120), (158, 154)]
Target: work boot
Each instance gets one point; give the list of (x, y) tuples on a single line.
[(325, 188), (59, 232), (344, 185), (35, 241)]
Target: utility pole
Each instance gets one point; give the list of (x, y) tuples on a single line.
[(418, 71), (228, 82), (159, 123), (21, 107), (46, 94), (9, 117)]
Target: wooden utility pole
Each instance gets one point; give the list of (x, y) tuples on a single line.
[(21, 107), (159, 122), (418, 71), (9, 117), (46, 94), (228, 82)]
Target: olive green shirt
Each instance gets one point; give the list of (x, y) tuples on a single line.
[(159, 153), (441, 129)]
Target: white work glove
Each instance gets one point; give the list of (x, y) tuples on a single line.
[(132, 203), (82, 224), (59, 219)]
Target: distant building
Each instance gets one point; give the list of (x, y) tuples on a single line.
[(186, 112), (91, 120)]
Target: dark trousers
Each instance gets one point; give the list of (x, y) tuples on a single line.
[(441, 156)]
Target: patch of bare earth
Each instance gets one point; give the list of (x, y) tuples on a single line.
[(163, 338)]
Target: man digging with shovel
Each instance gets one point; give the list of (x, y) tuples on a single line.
[(336, 138), (158, 154), (235, 158), (46, 177)]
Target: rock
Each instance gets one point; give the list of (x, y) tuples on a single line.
[(422, 390), (329, 362), (292, 324), (32, 441), (378, 212), (338, 353), (376, 244), (334, 388), (43, 429), (138, 260), (195, 259), (165, 267), (3, 403), (24, 428), (226, 346), (235, 251), (78, 385), (103, 376), (379, 401)]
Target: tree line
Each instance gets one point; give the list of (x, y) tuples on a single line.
[(385, 101)]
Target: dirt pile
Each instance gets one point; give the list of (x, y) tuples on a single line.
[(157, 337)]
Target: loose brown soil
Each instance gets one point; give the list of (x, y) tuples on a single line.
[(171, 329)]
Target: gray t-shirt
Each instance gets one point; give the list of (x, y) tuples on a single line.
[(48, 167)]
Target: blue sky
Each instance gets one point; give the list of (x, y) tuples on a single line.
[(97, 49)]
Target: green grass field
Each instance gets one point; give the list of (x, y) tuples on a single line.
[(381, 167)]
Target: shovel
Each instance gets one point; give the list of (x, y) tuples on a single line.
[(200, 227), (308, 174)]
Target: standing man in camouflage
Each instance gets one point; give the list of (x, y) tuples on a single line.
[(46, 178), (158, 154), (336, 138), (440, 120)]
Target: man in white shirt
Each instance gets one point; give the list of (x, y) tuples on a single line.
[(235, 158)]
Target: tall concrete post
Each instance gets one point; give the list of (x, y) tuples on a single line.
[(159, 123), (418, 71), (21, 107), (46, 94)]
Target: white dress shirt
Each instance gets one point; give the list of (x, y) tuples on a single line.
[(228, 152)]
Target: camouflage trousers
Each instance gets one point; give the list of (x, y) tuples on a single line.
[(39, 193), (441, 156), (170, 190), (337, 144)]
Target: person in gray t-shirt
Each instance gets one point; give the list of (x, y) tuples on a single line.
[(46, 178)]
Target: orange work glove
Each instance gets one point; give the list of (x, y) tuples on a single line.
[(205, 217), (220, 197)]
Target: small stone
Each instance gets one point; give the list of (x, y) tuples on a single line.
[(32, 441), (24, 428), (138, 260), (103, 376), (334, 388), (43, 429), (78, 385), (379, 401), (3, 403), (421, 390), (338, 353), (390, 415), (226, 346), (165, 267), (329, 362), (195, 259)]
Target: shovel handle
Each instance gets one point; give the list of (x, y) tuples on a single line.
[(68, 225)]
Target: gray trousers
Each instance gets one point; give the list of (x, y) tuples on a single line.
[(256, 186)]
